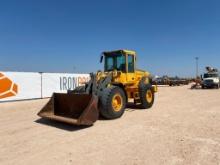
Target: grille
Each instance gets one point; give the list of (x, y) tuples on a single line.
[(208, 81)]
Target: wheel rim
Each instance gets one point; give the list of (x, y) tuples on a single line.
[(117, 102), (149, 96)]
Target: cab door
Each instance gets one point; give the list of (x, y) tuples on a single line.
[(130, 68)]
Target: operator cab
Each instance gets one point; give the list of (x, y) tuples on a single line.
[(119, 60)]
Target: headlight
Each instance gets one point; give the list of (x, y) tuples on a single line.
[(216, 80)]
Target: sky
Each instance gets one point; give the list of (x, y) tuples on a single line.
[(69, 35)]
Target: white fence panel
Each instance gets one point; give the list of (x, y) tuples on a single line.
[(61, 82), (29, 85), (19, 86)]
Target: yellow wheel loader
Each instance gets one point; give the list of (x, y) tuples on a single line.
[(106, 94)]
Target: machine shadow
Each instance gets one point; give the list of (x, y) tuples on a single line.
[(60, 125), (133, 107), (130, 107)]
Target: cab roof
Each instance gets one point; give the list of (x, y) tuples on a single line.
[(124, 51)]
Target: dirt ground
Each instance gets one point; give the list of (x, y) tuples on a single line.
[(183, 127)]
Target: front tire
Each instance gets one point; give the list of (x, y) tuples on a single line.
[(112, 102)]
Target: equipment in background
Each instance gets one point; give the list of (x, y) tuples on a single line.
[(210, 79), (171, 81)]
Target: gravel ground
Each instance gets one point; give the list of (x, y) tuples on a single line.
[(183, 127)]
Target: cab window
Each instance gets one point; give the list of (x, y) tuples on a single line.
[(115, 62), (130, 63)]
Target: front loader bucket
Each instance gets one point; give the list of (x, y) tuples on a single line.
[(76, 109)]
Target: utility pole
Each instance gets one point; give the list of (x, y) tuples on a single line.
[(74, 69), (41, 84), (197, 66)]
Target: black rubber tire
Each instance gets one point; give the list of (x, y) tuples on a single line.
[(105, 103), (142, 92), (79, 89)]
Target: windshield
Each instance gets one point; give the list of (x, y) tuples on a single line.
[(208, 75), (115, 62)]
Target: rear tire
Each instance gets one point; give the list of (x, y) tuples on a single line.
[(146, 96), (112, 103)]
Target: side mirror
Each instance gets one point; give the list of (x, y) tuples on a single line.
[(101, 58), (201, 77)]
